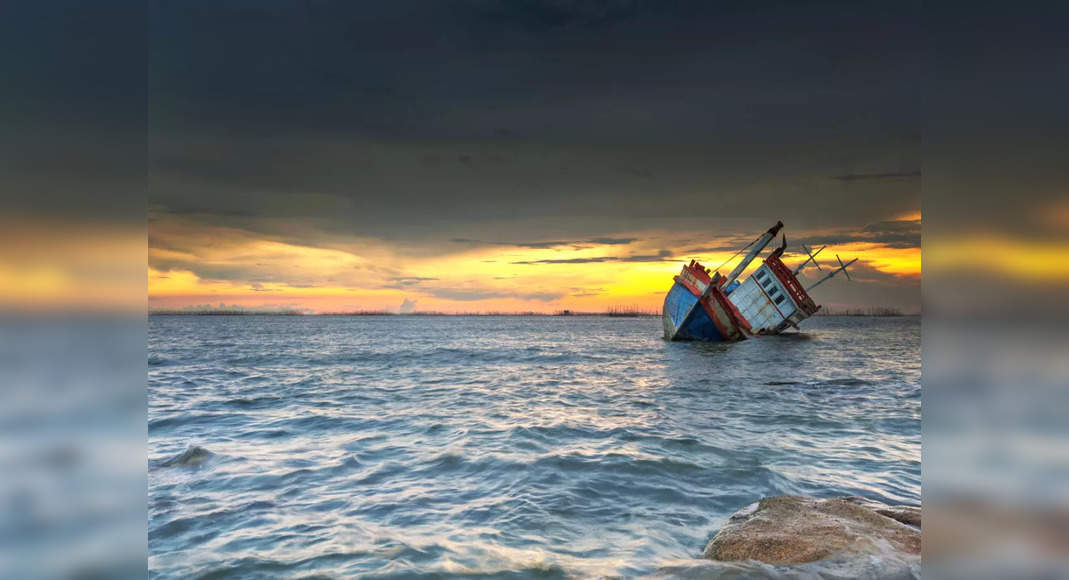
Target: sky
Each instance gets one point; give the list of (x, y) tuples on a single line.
[(490, 156)]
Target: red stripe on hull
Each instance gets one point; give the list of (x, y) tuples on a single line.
[(711, 312), (790, 282), (727, 318), (730, 322), (686, 284)]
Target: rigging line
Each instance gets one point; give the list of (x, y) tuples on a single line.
[(737, 253)]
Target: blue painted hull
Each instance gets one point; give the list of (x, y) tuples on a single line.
[(678, 326)]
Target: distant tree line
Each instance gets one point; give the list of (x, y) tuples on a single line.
[(869, 311), (612, 312)]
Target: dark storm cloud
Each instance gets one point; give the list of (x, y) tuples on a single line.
[(419, 121), (73, 110), (411, 279), (909, 227), (729, 245), (586, 292), (894, 234), (610, 241), (712, 249), (868, 286), (406, 282), (879, 176), (607, 241), (336, 65), (473, 294), (660, 256)]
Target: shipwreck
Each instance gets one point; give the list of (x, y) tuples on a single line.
[(712, 307)]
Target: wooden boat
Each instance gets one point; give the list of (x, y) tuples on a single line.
[(696, 308), (711, 307)]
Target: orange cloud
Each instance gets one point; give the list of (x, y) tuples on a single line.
[(66, 265), (1014, 258), (223, 265), (889, 260)]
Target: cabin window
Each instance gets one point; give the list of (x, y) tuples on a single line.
[(761, 274), (767, 282), (780, 299)]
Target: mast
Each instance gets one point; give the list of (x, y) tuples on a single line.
[(812, 258), (841, 268), (760, 245)]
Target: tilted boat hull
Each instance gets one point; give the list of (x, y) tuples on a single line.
[(693, 311), (700, 306)]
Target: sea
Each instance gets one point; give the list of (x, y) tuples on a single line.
[(506, 447)]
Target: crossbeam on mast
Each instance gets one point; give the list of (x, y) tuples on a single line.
[(842, 268), (812, 258)]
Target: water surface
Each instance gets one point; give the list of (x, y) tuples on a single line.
[(541, 446)]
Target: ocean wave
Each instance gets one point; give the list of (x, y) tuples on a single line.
[(191, 419), (445, 447), (255, 402), (193, 456)]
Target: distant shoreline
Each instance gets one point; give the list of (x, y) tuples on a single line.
[(533, 314), (850, 313)]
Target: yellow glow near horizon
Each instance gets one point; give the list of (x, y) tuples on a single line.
[(1023, 260), (490, 279), (886, 259), (246, 270), (69, 265)]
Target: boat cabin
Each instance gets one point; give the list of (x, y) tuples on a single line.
[(700, 306), (772, 299)]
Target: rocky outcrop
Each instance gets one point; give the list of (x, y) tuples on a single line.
[(907, 514), (797, 530)]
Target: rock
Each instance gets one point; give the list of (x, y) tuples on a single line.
[(907, 514), (796, 530)]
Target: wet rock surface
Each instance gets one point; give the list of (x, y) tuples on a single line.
[(907, 514), (797, 530)]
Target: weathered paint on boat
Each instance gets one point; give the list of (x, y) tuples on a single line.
[(697, 309), (717, 308), (772, 299)]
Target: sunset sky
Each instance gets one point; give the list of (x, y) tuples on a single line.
[(502, 156)]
